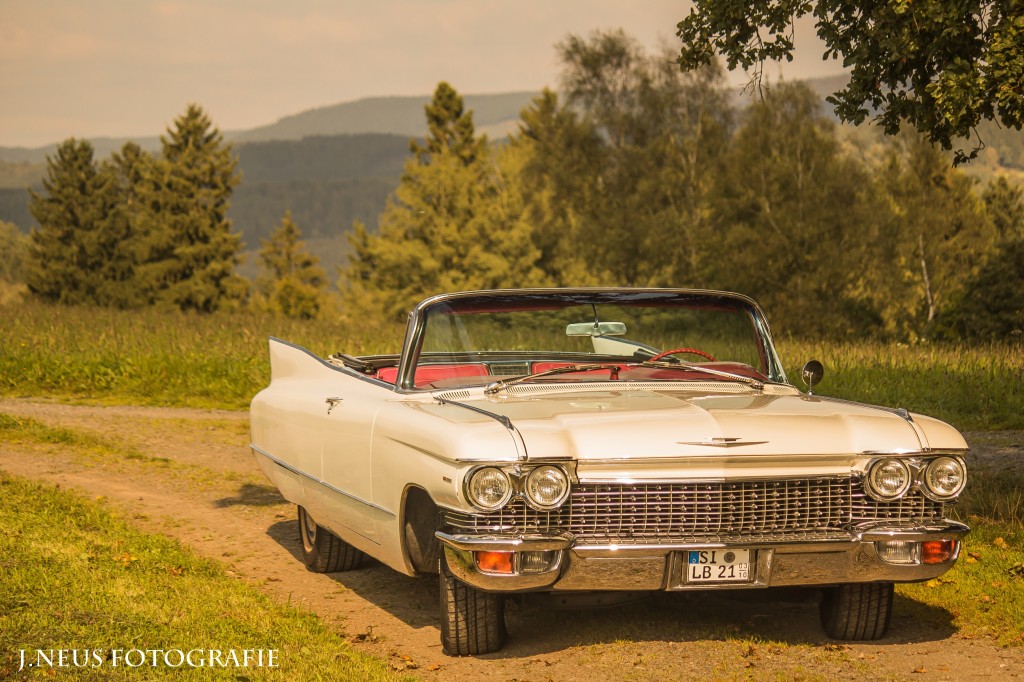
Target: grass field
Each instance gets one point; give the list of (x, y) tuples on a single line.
[(169, 358), (99, 585)]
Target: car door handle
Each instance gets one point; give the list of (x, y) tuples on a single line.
[(332, 403)]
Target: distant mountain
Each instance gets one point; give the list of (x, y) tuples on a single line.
[(394, 115), (102, 146), (496, 115)]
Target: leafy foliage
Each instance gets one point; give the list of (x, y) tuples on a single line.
[(992, 306), (796, 219), (639, 175), (942, 67), (938, 235), (619, 178)]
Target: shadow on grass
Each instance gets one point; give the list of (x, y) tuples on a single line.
[(252, 495), (538, 624)]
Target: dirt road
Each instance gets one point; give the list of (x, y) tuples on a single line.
[(189, 474)]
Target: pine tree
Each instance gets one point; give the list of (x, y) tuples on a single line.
[(67, 251), (295, 283), (128, 220), (450, 129), (456, 222), (191, 256)]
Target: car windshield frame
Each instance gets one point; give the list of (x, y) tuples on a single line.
[(521, 300)]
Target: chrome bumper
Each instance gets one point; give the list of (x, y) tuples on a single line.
[(566, 566)]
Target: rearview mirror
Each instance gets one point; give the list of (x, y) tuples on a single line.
[(812, 373), (596, 329)]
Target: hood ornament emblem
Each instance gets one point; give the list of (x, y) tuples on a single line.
[(723, 442)]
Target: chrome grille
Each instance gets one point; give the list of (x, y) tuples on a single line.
[(731, 511)]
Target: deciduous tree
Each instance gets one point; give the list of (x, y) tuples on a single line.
[(939, 235), (630, 202), (941, 66), (798, 225), (992, 305)]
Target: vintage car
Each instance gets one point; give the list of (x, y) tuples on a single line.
[(601, 440)]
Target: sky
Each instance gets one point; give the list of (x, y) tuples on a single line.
[(127, 68)]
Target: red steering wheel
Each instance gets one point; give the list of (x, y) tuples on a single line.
[(695, 351)]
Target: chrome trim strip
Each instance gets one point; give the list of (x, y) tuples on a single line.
[(923, 452), (497, 543), (517, 437), (722, 442), (900, 412), (879, 532), (288, 467)]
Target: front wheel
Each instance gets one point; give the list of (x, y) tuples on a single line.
[(857, 611), (322, 550), (472, 621)]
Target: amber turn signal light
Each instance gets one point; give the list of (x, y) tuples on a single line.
[(937, 551), (494, 562)]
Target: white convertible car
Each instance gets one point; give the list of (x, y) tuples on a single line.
[(598, 440)]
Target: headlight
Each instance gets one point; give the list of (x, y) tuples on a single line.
[(547, 487), (944, 478), (489, 488), (888, 479)]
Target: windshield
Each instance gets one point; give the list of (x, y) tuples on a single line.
[(477, 339)]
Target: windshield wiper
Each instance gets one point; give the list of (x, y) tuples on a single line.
[(501, 385), (749, 381)]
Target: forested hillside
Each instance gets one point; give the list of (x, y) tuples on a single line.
[(326, 183)]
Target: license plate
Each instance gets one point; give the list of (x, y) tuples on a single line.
[(718, 566)]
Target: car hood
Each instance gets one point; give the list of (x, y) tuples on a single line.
[(656, 423)]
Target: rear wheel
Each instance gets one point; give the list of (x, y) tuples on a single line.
[(857, 611), (472, 621), (322, 550)]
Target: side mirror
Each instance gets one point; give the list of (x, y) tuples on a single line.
[(812, 374)]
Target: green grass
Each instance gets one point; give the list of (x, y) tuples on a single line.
[(993, 495), (154, 357), (984, 592), (971, 387), (76, 576)]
